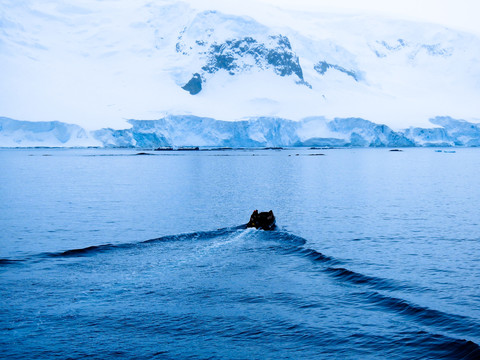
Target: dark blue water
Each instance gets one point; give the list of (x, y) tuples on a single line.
[(105, 254)]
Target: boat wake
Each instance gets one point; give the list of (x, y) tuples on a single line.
[(372, 291)]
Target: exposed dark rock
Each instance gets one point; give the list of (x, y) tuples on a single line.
[(229, 55), (194, 85), (189, 148), (239, 55), (322, 67)]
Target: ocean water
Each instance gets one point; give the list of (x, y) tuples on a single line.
[(109, 254)]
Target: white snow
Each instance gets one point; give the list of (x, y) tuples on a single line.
[(97, 63)]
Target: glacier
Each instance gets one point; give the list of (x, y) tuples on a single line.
[(15, 133), (178, 131)]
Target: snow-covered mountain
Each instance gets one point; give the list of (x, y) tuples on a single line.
[(179, 131), (96, 63)]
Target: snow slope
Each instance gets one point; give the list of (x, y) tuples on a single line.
[(97, 63)]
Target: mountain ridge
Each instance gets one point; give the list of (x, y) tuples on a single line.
[(147, 59)]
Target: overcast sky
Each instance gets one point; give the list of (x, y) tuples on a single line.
[(459, 14)]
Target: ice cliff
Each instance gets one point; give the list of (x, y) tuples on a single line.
[(15, 133), (188, 130)]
